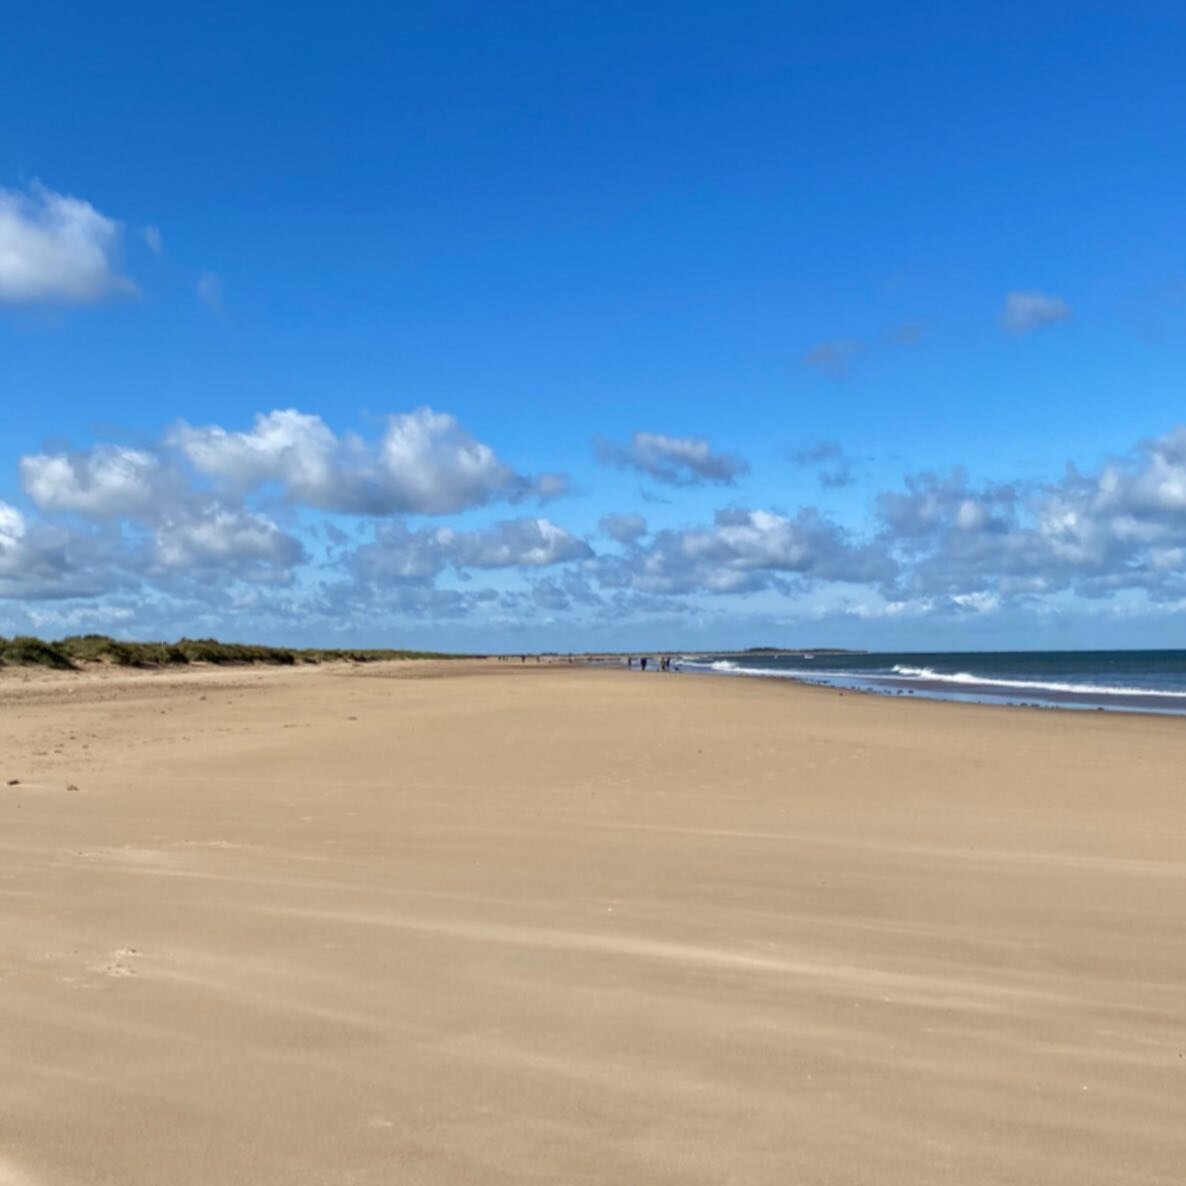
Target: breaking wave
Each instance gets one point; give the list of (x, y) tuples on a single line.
[(969, 679)]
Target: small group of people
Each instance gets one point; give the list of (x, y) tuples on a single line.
[(665, 662)]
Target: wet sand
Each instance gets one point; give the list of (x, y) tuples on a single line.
[(483, 924)]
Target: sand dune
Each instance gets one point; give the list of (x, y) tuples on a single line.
[(477, 924)]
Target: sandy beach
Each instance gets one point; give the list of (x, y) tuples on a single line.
[(472, 923)]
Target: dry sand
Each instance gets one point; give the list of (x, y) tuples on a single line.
[(425, 924)]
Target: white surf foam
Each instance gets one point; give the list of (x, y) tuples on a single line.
[(963, 679), (970, 679), (728, 667)]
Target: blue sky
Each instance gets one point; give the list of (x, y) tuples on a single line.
[(589, 325)]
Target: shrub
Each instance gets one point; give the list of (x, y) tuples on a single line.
[(32, 652)]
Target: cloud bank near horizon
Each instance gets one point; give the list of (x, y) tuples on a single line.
[(290, 523)]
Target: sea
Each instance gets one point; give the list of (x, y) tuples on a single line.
[(1120, 681)]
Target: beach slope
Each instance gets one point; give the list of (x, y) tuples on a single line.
[(428, 923)]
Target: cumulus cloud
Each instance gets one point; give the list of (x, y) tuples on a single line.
[(1028, 311), (108, 481), (57, 249), (834, 468), (215, 518), (532, 543), (13, 547), (433, 465), (625, 529), (194, 507), (228, 541), (566, 590), (133, 518), (39, 561), (189, 530), (834, 358), (745, 550), (934, 502), (348, 603), (549, 595), (425, 463), (402, 556), (290, 447), (674, 461), (1120, 527), (12, 528)]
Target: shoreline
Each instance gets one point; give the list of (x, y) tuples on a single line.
[(874, 684), (938, 691), (32, 683), (39, 685)]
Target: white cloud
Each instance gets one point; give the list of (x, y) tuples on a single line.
[(931, 502), (979, 603), (35, 561), (145, 519), (290, 447), (154, 239), (532, 543), (55, 248), (182, 512), (400, 556), (1027, 311), (209, 290), (743, 551), (425, 463), (227, 540), (674, 461), (431, 464), (106, 482), (12, 528), (208, 520), (1095, 533)]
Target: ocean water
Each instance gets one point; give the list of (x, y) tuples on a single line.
[(1131, 681)]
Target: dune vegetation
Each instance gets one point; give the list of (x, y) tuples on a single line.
[(70, 653)]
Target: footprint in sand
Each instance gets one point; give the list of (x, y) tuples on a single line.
[(120, 964)]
